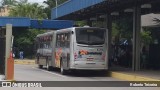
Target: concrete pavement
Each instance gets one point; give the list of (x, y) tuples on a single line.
[(119, 75), (32, 73)]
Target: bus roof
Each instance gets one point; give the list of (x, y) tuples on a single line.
[(45, 34), (81, 27), (51, 32)]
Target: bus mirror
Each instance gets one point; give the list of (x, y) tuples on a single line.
[(72, 32)]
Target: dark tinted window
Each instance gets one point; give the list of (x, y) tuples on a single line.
[(90, 36), (63, 40)]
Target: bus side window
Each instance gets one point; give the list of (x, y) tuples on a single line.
[(62, 40), (58, 40), (41, 45), (67, 40), (50, 42), (44, 45)]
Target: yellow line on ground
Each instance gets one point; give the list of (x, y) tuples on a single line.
[(26, 62), (129, 77)]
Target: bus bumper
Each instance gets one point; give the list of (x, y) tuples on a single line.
[(89, 65)]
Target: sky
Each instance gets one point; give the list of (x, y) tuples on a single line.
[(38, 1), (33, 1)]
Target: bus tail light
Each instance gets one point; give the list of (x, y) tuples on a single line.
[(75, 55)]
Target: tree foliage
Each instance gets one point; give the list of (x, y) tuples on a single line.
[(8, 2), (34, 11), (123, 28), (81, 23), (146, 38), (24, 38)]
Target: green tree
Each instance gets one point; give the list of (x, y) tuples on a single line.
[(8, 2), (24, 39), (122, 28), (146, 38), (81, 23), (33, 11)]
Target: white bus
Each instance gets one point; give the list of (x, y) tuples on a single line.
[(76, 48)]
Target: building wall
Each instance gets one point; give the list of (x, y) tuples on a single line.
[(4, 11), (149, 20)]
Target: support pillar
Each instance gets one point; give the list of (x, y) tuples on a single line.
[(9, 62), (136, 38), (109, 37)]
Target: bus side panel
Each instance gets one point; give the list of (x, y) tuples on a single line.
[(106, 48), (72, 48), (67, 50), (39, 54), (42, 60), (53, 50), (45, 56), (63, 49)]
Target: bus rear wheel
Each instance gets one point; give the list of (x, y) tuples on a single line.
[(49, 68), (40, 66)]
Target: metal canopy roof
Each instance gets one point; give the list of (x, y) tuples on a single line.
[(16, 22), (39, 24), (51, 24), (72, 6), (84, 9)]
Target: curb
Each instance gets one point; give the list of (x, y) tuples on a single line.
[(24, 62), (4, 80), (130, 77)]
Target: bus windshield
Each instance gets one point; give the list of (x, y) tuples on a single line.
[(90, 36)]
